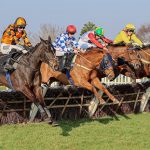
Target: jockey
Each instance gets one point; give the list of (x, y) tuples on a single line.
[(11, 38), (65, 44), (128, 37), (94, 39)]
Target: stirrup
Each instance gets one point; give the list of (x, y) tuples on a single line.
[(8, 67), (44, 85)]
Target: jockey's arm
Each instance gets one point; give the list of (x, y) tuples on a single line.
[(125, 38), (106, 40), (62, 44), (9, 34), (136, 40), (94, 41), (26, 40)]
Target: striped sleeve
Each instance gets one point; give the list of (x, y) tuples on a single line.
[(74, 42), (62, 44)]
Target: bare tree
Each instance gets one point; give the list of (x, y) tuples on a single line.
[(144, 33), (45, 31)]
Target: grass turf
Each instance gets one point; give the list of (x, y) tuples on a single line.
[(130, 132)]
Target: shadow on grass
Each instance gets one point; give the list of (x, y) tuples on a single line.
[(68, 126)]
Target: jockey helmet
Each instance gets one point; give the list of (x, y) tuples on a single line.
[(20, 22), (130, 27), (99, 31), (71, 29)]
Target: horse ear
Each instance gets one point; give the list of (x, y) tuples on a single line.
[(49, 40), (42, 40)]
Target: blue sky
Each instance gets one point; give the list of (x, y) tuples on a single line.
[(112, 15)]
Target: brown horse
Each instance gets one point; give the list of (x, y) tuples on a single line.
[(84, 77), (130, 57), (84, 73), (28, 68), (144, 56)]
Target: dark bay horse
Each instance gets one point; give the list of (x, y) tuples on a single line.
[(28, 68)]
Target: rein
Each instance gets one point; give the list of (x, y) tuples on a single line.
[(146, 53), (143, 60), (82, 65), (26, 65)]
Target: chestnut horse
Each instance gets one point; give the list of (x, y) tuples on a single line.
[(131, 59), (83, 74), (144, 56), (28, 68), (87, 77)]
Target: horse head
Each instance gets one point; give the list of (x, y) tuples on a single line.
[(134, 59), (49, 53), (125, 54)]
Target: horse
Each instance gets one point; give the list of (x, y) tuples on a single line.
[(144, 56), (130, 57), (83, 74), (28, 68)]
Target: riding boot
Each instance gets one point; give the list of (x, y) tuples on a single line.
[(44, 88), (61, 62), (68, 61), (8, 66)]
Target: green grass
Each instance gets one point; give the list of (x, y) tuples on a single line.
[(130, 132)]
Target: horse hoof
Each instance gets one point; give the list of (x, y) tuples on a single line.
[(48, 120), (115, 101), (55, 124), (102, 103)]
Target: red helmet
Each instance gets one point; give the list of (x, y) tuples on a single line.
[(71, 29)]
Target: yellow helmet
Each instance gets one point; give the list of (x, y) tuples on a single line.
[(20, 22), (130, 26)]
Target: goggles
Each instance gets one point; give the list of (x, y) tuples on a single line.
[(21, 27)]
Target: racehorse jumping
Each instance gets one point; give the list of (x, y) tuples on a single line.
[(129, 56), (85, 76), (23, 78), (83, 73)]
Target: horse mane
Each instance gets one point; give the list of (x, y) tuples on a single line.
[(31, 51), (93, 50), (35, 47)]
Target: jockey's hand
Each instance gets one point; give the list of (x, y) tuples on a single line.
[(75, 50), (105, 50), (82, 50), (24, 51), (27, 48)]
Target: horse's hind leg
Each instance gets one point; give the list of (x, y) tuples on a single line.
[(95, 81)]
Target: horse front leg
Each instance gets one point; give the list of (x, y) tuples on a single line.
[(31, 96), (85, 84), (96, 82)]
